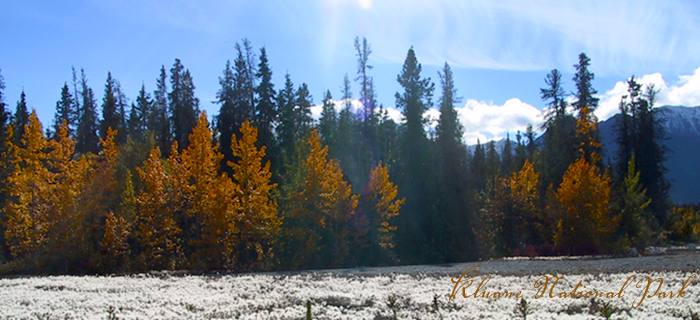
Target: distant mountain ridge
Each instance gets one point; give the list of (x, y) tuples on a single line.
[(682, 127)]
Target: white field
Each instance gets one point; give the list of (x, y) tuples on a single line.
[(334, 295)]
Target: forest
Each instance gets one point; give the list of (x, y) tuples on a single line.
[(152, 184)]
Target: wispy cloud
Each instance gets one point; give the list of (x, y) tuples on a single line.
[(622, 37)]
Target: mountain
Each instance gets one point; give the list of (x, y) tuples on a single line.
[(682, 126)]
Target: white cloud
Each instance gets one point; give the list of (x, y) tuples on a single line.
[(482, 121), (486, 121), (685, 92)]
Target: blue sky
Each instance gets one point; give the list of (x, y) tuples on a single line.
[(500, 51)]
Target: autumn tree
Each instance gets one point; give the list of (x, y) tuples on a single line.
[(586, 224), (258, 223), (318, 205), (27, 217), (209, 212), (157, 233), (518, 224), (378, 208)]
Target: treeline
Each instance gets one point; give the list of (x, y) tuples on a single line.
[(152, 185)]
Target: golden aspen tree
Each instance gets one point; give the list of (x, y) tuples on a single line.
[(259, 224), (28, 213), (585, 223), (67, 236), (321, 206), (212, 222), (382, 193), (156, 230), (514, 218)]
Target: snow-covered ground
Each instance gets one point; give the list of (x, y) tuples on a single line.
[(349, 294)]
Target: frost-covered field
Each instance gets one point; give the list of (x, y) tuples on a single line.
[(334, 295)]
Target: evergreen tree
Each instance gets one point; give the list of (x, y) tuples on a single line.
[(507, 157), (159, 118), (111, 116), (418, 225), (559, 150), (139, 115), (328, 123), (456, 243), (640, 134), (184, 106), (287, 129), (266, 109), (585, 94), (302, 110), (227, 122), (346, 150), (64, 111), (365, 81), (20, 119), (87, 140)]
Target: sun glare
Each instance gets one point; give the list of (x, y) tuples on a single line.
[(365, 4)]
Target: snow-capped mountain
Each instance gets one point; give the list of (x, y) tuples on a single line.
[(682, 126)]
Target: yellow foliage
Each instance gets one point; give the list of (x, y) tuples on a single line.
[(586, 128), (156, 230), (32, 188), (321, 206), (586, 222), (259, 223), (383, 193)]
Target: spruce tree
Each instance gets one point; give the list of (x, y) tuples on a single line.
[(640, 134), (365, 81), (457, 242), (139, 115), (226, 121), (288, 124), (585, 94), (184, 106), (328, 123), (111, 117), (302, 110), (417, 225), (64, 111), (87, 140), (20, 119), (159, 118), (265, 109), (560, 146)]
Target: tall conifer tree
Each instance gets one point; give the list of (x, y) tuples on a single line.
[(87, 124), (417, 226), (65, 112)]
